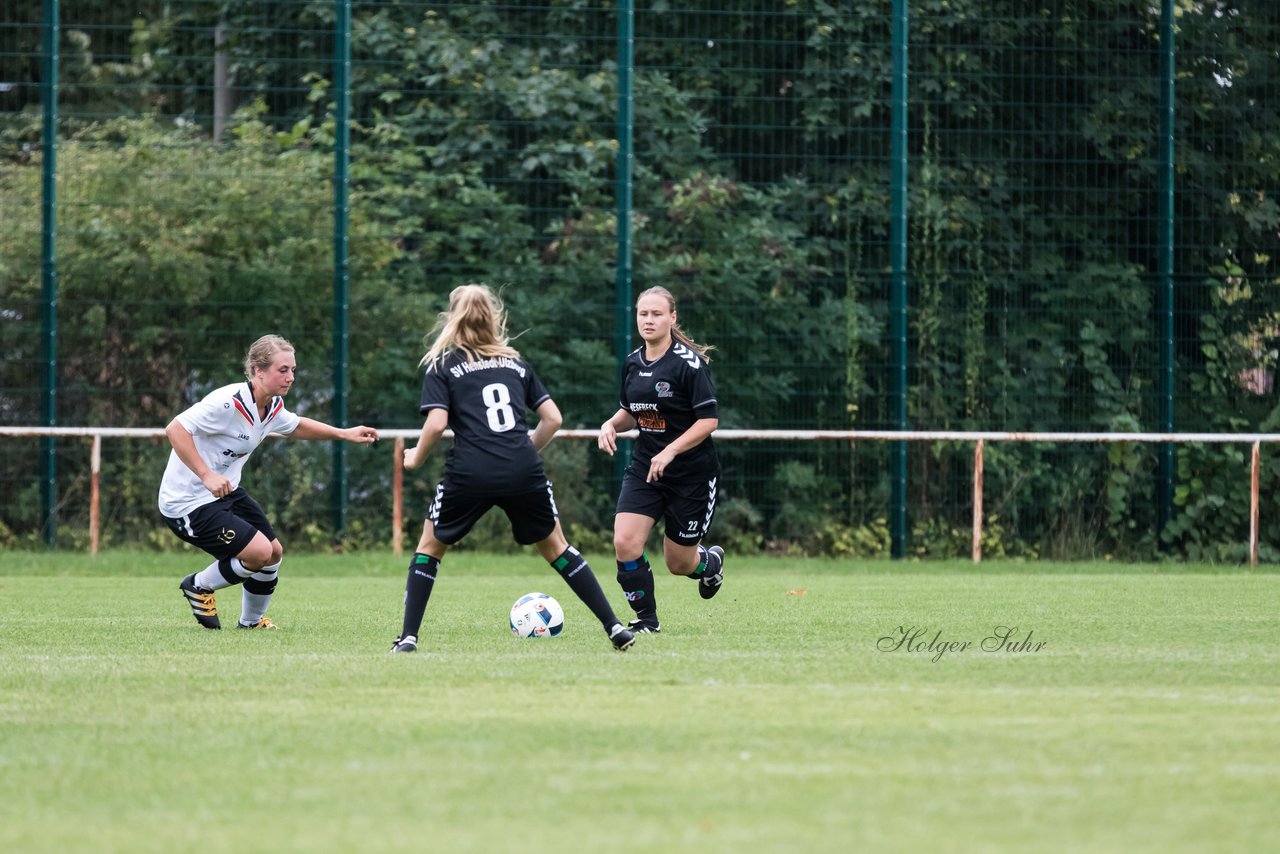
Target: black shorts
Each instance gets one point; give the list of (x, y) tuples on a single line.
[(453, 513), (224, 526), (686, 505)]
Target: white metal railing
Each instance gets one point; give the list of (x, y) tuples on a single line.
[(979, 438)]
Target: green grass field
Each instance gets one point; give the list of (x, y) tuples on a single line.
[(772, 718)]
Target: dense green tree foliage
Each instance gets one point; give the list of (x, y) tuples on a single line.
[(484, 144)]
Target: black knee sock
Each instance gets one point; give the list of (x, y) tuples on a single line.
[(230, 575), (417, 590), (575, 570), (636, 579), (708, 564)]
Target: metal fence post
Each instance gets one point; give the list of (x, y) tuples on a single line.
[(898, 311), (49, 270), (341, 258), (1165, 297), (626, 163)]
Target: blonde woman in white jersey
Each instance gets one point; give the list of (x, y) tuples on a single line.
[(200, 495)]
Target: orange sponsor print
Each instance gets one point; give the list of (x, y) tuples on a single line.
[(651, 421)]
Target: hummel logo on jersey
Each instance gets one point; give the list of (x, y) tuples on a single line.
[(688, 355), (645, 373)]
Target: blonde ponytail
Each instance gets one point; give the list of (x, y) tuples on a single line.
[(475, 323)]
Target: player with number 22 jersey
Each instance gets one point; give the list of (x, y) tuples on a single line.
[(668, 397)]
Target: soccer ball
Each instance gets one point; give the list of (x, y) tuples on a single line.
[(536, 615)]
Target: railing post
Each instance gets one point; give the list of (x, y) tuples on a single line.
[(95, 468), (397, 498), (977, 502), (1254, 466)]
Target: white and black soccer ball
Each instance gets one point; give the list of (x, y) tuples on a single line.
[(536, 615)]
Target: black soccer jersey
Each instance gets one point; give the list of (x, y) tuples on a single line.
[(666, 397), (488, 401)]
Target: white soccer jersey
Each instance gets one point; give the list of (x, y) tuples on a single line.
[(226, 430)]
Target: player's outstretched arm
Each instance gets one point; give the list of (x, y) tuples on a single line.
[(432, 429), (549, 421), (309, 428)]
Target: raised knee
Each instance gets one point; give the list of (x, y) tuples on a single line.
[(680, 562), (679, 566), (256, 558)]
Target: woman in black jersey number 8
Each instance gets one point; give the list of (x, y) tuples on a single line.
[(477, 384), (669, 397)]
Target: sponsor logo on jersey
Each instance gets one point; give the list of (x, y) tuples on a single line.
[(663, 388), (643, 407), (651, 422), (463, 368), (233, 454)]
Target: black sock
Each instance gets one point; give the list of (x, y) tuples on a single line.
[(575, 570), (708, 564), (417, 590), (636, 579), (229, 575)]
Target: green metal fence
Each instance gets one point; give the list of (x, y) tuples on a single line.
[(886, 215)]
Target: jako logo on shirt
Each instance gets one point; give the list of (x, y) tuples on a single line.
[(663, 389)]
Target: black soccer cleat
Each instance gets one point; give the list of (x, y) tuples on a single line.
[(709, 585), (645, 624), (408, 643), (621, 638), (203, 605)]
